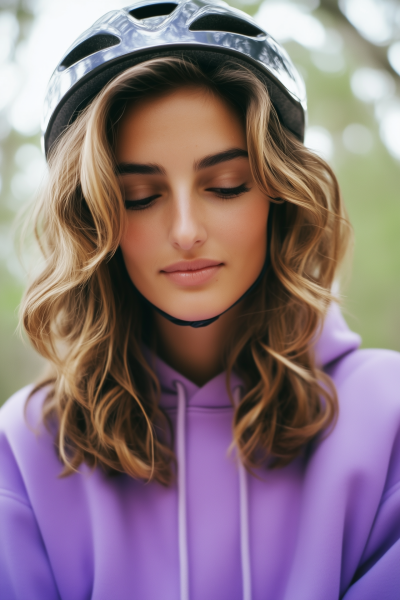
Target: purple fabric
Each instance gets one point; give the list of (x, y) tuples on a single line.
[(325, 527)]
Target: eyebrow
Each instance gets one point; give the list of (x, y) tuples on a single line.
[(216, 159), (139, 169), (204, 163)]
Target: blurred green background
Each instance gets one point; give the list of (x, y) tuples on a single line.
[(348, 52)]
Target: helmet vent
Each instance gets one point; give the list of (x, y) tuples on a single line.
[(153, 10), (228, 23), (93, 44)]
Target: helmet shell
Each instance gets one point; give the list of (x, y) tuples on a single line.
[(208, 32)]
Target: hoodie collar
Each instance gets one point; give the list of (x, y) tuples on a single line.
[(213, 393)]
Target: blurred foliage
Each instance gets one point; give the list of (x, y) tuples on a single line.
[(370, 186), (19, 364), (369, 182)]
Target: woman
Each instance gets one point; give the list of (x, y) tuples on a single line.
[(209, 428)]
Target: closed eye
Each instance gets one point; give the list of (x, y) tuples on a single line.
[(231, 192), (228, 192), (142, 203)]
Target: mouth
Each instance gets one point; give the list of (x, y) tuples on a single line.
[(193, 272)]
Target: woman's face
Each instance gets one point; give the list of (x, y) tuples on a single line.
[(195, 223)]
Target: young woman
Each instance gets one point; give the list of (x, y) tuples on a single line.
[(209, 429)]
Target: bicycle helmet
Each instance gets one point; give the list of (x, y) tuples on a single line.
[(206, 31)]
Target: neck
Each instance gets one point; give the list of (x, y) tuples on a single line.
[(195, 353)]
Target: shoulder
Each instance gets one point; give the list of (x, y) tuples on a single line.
[(365, 464), (366, 437), (22, 412), (28, 470), (26, 446), (370, 377), (368, 387)]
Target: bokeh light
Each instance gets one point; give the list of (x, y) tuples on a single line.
[(394, 56), (357, 138), (374, 19), (372, 85), (287, 21), (320, 141)]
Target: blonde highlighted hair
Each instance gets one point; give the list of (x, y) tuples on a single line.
[(84, 316)]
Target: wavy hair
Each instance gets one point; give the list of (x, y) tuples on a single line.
[(84, 316)]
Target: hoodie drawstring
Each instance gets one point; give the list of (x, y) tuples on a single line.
[(244, 520), (182, 517)]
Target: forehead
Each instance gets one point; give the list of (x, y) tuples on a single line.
[(188, 119)]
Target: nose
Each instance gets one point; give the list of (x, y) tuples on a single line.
[(188, 228)]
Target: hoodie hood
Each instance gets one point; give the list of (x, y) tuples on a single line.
[(336, 339)]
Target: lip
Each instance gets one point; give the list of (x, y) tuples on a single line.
[(193, 272), (191, 265)]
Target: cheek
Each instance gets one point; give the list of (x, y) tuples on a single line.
[(245, 229), (139, 242)]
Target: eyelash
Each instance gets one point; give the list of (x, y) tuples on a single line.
[(225, 193), (140, 204)]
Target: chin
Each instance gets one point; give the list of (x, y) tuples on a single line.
[(195, 313)]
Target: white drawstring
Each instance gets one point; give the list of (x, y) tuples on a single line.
[(244, 521), (182, 521), (182, 518)]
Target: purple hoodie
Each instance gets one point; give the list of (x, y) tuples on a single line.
[(325, 527)]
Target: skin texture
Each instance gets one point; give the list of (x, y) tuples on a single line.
[(191, 217)]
